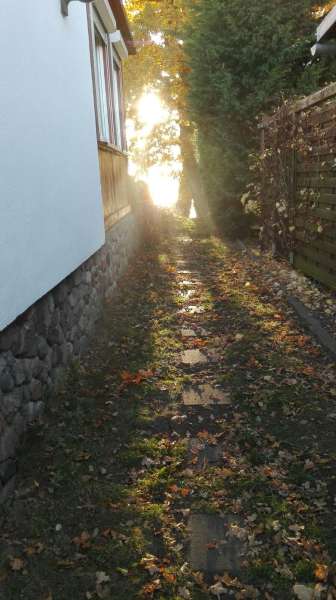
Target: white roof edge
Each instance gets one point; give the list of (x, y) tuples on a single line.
[(327, 23), (117, 40), (105, 12)]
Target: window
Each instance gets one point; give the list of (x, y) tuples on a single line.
[(117, 102), (102, 88), (107, 75)]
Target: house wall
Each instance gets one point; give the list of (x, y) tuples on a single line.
[(36, 348), (50, 199)]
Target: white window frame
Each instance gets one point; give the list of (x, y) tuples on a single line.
[(117, 92), (102, 80), (111, 120)]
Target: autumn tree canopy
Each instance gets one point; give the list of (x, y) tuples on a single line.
[(218, 64)]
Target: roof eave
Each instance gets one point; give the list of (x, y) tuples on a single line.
[(123, 24), (327, 27)]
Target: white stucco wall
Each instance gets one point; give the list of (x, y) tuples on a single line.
[(51, 216)]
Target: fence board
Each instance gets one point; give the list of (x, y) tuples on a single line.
[(314, 271), (310, 173)]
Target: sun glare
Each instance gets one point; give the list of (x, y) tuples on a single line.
[(163, 186), (162, 179), (151, 111)]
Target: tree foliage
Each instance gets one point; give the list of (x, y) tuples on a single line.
[(244, 58), (159, 28)]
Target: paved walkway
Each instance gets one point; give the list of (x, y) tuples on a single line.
[(191, 456)]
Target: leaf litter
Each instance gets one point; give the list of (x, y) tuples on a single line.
[(112, 461)]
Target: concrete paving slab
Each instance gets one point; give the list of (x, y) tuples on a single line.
[(188, 333), (205, 395), (217, 544), (190, 282), (193, 357), (203, 455), (192, 310)]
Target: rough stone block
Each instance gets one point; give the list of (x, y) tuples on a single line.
[(29, 347), (33, 367), (56, 318), (60, 293), (78, 277), (42, 347), (55, 335), (7, 383), (36, 389), (28, 365), (19, 424), (50, 301), (19, 372), (33, 410), (11, 403), (8, 470), (43, 317), (73, 297), (9, 442), (88, 277), (44, 373), (11, 339)]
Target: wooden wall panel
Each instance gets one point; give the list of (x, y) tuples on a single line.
[(114, 184)]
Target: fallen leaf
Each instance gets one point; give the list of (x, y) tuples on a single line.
[(217, 590), (83, 540), (16, 564), (321, 572)]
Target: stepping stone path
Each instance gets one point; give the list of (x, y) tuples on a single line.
[(163, 414), (205, 395), (216, 544)]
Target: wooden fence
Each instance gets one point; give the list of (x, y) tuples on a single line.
[(299, 183)]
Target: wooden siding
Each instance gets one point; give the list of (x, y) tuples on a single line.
[(313, 172), (114, 183)]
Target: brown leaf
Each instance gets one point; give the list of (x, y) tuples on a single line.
[(83, 540), (36, 549), (16, 564)]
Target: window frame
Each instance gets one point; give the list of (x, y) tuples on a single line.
[(114, 89), (118, 100), (103, 120)]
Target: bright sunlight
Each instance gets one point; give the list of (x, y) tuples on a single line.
[(160, 172), (151, 111)]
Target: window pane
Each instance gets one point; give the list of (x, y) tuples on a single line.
[(117, 105), (100, 51)]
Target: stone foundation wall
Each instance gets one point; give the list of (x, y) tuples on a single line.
[(37, 347)]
